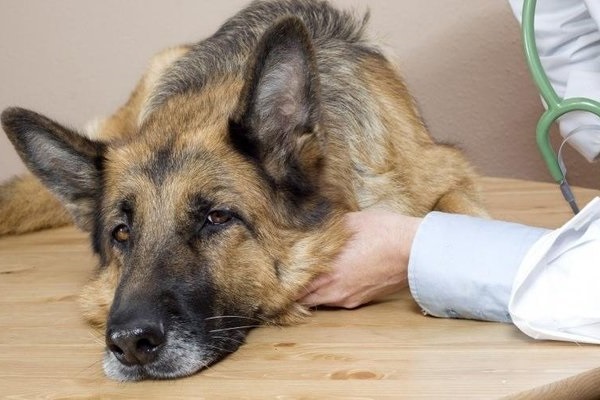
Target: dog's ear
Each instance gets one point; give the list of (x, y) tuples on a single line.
[(67, 163), (277, 120)]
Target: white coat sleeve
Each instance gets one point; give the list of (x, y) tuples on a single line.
[(463, 267)]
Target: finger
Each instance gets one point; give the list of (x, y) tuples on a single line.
[(317, 299), (311, 300), (324, 295), (316, 284), (327, 296)]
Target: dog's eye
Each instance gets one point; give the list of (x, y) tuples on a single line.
[(219, 217), (121, 233)]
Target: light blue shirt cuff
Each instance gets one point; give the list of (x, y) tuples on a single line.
[(463, 267)]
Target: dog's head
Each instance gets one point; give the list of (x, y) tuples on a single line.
[(209, 220)]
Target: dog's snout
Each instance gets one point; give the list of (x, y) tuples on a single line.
[(136, 344)]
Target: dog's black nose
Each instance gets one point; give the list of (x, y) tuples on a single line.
[(135, 344)]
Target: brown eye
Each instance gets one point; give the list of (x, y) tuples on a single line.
[(218, 217), (121, 233)]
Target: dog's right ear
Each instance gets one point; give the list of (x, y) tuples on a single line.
[(66, 162), (278, 118)]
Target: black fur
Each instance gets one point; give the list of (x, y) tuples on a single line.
[(225, 51), (279, 108)]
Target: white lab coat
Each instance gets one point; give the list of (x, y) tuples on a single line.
[(545, 282), (568, 40), (464, 267)]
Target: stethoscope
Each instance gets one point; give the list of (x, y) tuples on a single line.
[(556, 107)]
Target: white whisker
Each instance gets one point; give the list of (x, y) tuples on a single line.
[(234, 328), (210, 346), (232, 316)]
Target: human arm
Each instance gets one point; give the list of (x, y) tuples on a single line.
[(457, 266), (463, 267), (373, 264)]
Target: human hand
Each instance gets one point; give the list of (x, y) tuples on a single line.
[(373, 264)]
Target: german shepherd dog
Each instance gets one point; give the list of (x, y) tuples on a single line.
[(216, 193)]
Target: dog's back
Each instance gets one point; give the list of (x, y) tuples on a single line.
[(336, 35), (235, 157), (379, 151)]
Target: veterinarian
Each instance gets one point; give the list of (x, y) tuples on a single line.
[(464, 267)]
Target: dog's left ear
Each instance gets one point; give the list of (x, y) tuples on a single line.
[(277, 120)]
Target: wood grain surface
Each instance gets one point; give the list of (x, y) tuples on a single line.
[(384, 350)]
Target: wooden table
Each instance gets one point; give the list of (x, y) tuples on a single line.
[(385, 350)]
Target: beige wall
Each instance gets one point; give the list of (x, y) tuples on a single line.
[(77, 59)]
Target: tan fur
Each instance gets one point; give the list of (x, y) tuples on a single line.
[(125, 120), (401, 168), (26, 205), (312, 252), (400, 176), (170, 146), (96, 297)]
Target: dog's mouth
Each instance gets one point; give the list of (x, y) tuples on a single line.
[(182, 353)]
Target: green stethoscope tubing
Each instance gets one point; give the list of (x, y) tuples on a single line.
[(556, 107)]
